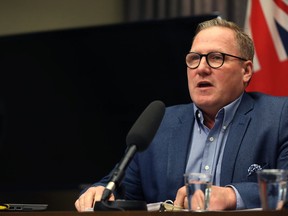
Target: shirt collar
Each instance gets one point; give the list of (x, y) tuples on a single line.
[(226, 113)]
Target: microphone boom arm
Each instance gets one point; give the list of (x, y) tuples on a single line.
[(118, 173)]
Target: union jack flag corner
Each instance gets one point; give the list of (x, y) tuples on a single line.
[(267, 24)]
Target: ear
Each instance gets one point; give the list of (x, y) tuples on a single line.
[(247, 71)]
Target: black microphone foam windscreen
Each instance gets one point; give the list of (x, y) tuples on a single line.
[(146, 126)]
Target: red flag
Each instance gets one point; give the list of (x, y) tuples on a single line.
[(267, 24)]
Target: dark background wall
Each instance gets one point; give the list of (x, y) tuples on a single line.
[(20, 16), (69, 97)]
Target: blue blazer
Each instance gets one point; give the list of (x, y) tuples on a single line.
[(258, 137)]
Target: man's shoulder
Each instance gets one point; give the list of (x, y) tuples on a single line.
[(260, 96), (180, 108), (178, 112), (262, 101)]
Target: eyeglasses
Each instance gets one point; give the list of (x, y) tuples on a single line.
[(213, 59)]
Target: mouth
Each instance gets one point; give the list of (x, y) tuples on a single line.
[(204, 84)]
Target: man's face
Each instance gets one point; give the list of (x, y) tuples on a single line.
[(211, 89)]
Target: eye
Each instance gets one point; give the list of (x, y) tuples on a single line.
[(215, 56), (194, 57)]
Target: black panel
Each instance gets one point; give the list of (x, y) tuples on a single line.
[(69, 97)]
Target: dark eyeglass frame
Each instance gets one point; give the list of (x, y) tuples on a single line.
[(207, 58)]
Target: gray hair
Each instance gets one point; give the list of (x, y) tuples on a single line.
[(244, 42)]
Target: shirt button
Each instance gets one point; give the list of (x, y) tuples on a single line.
[(206, 167), (211, 139), (224, 127)]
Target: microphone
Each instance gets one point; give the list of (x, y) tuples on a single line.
[(138, 139)]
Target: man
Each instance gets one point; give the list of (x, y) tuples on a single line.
[(225, 131)]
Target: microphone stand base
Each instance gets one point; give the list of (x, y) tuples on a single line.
[(120, 205)]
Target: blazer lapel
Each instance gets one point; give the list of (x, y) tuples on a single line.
[(179, 146), (234, 140)]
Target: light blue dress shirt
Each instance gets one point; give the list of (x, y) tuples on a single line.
[(208, 145)]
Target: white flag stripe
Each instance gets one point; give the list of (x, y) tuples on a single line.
[(281, 18), (256, 64), (270, 9)]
